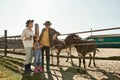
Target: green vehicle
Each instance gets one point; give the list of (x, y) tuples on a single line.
[(106, 41)]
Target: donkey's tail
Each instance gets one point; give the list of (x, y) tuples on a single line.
[(98, 50)]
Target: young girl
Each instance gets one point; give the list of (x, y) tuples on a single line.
[(37, 55)]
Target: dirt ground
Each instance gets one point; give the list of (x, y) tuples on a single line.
[(105, 70)]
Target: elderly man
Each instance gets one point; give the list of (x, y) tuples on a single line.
[(46, 39)]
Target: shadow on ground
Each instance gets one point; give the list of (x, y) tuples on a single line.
[(109, 75), (70, 72), (13, 64), (16, 66)]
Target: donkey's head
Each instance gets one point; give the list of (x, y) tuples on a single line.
[(76, 38), (55, 39), (72, 39)]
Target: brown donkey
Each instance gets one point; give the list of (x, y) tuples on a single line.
[(83, 48), (62, 44)]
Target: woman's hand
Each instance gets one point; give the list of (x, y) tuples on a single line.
[(28, 38), (40, 46)]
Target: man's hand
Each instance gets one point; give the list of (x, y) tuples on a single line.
[(54, 36)]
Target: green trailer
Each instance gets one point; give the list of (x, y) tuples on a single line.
[(106, 41)]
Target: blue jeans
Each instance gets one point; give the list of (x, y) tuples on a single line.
[(37, 57)]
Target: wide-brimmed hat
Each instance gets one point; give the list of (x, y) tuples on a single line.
[(28, 22), (47, 23)]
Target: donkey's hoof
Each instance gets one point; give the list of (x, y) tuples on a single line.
[(89, 66), (84, 67), (67, 60), (57, 64), (52, 64), (95, 65)]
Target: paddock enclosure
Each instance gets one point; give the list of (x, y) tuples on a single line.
[(107, 60)]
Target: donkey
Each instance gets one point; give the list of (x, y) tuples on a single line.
[(83, 48), (59, 45)]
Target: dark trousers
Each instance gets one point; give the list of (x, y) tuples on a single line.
[(46, 49)]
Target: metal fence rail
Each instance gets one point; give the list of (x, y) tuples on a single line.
[(92, 31)]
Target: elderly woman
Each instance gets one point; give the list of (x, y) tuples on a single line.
[(27, 39)]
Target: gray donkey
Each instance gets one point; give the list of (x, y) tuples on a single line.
[(83, 47)]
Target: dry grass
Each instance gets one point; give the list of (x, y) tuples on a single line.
[(12, 68)]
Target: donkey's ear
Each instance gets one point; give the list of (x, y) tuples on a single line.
[(75, 37)]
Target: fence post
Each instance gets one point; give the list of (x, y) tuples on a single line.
[(91, 31), (14, 44), (5, 49), (37, 29)]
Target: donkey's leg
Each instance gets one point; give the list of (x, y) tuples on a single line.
[(52, 56), (68, 53), (79, 60), (56, 51), (58, 57), (94, 53), (84, 62), (90, 60), (78, 70)]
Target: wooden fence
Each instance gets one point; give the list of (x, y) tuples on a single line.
[(10, 42), (14, 42)]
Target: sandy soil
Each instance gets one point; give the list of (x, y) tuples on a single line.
[(105, 70)]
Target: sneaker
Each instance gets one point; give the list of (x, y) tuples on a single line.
[(36, 69), (40, 68)]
